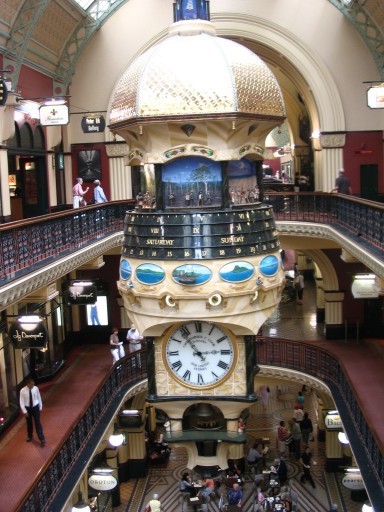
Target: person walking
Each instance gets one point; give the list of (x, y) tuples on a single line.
[(31, 406), (117, 349), (154, 505), (342, 184), (306, 428), (98, 193), (305, 460), (79, 193)]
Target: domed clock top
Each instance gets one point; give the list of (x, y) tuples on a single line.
[(199, 354)]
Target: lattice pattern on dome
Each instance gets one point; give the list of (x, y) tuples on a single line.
[(201, 74)]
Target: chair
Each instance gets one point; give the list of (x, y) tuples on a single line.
[(184, 500)]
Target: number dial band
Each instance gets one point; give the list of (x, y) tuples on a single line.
[(199, 354)]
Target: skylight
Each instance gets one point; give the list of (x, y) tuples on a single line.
[(95, 8)]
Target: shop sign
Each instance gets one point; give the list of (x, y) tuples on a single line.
[(354, 482), (93, 124), (54, 115), (36, 337), (3, 91), (102, 482), (81, 294), (333, 422), (375, 96)]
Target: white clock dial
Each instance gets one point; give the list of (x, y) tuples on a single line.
[(199, 354)]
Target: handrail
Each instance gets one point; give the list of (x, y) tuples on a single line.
[(64, 468), (318, 362), (32, 243)]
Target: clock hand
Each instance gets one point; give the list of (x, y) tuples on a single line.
[(196, 351)]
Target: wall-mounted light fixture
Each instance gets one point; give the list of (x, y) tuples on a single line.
[(29, 322), (117, 438), (81, 505), (343, 438)]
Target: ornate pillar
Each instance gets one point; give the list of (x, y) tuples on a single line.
[(332, 145), (320, 301), (7, 130), (334, 314), (119, 172)]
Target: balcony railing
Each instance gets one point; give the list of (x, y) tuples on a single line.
[(30, 244), (57, 481)]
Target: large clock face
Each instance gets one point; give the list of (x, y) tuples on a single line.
[(199, 354)]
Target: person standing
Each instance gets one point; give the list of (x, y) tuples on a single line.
[(264, 393), (134, 339), (298, 414), (296, 437), (79, 193), (31, 405), (116, 345), (305, 460), (94, 315), (98, 193), (299, 286), (342, 184), (282, 435), (306, 428)]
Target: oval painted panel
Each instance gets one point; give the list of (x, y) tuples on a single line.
[(149, 273), (125, 269), (269, 265), (237, 271), (189, 275)]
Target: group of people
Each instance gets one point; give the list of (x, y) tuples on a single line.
[(133, 337), (79, 194)]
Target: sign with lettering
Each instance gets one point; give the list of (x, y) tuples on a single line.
[(36, 337), (375, 96), (102, 482), (81, 294), (333, 422), (93, 124), (3, 91), (354, 481), (54, 115)]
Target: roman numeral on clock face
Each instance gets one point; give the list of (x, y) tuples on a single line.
[(225, 352), (176, 365), (185, 331), (198, 326), (221, 339), (200, 379), (173, 353), (223, 365), (187, 375)]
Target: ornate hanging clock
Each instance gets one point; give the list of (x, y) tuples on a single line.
[(199, 354)]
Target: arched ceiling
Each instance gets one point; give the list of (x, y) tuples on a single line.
[(49, 35)]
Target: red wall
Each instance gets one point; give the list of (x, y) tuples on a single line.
[(363, 148), (104, 162)]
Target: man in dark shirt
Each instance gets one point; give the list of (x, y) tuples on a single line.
[(306, 467), (342, 184)]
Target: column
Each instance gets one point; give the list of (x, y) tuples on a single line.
[(334, 327), (119, 172), (332, 145)]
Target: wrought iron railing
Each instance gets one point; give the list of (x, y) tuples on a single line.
[(61, 472), (57, 480), (368, 448), (30, 244)]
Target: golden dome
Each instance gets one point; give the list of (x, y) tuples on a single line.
[(195, 73)]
